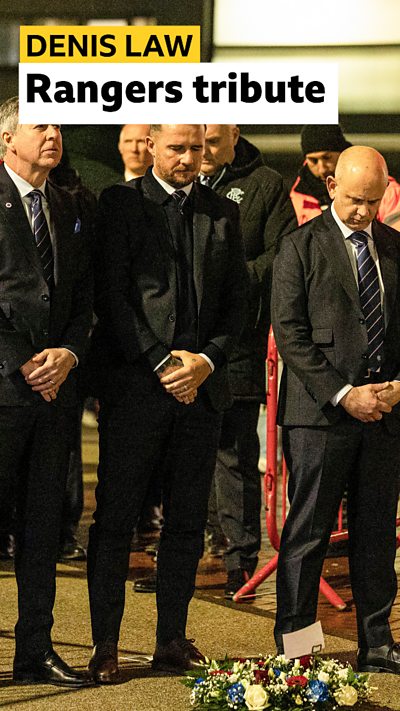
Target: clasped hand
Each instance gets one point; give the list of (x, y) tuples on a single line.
[(46, 371), (183, 382), (368, 402)]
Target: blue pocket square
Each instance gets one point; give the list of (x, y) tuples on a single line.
[(77, 227)]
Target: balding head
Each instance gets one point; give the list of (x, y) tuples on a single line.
[(132, 146), (221, 140), (361, 178)]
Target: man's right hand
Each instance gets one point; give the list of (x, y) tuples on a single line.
[(364, 404), (26, 369)]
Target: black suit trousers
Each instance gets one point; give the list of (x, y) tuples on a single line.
[(323, 461), (136, 434), (34, 447), (237, 486)]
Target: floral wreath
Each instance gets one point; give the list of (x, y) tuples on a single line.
[(276, 683)]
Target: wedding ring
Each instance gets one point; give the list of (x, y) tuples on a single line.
[(51, 381)]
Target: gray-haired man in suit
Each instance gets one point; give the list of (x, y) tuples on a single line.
[(45, 316)]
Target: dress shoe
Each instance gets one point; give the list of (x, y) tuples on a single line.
[(177, 657), (380, 659), (236, 579), (103, 665), (71, 550), (50, 670), (146, 585)]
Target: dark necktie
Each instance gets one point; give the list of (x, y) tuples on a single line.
[(42, 236), (370, 299), (180, 198)]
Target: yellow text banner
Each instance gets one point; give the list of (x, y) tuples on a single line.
[(130, 43)]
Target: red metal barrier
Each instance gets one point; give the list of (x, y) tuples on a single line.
[(271, 482)]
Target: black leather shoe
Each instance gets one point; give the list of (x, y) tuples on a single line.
[(103, 665), (178, 656), (146, 585), (236, 579), (50, 670), (72, 550), (380, 659)]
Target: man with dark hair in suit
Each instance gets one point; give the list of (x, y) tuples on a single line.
[(45, 316), (336, 319), (171, 299)]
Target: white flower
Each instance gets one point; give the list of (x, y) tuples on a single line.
[(256, 697), (282, 675), (343, 673), (323, 676), (296, 664), (346, 696), (233, 678)]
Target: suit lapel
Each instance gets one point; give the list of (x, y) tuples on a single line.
[(202, 228), (387, 254), (62, 229), (15, 216), (333, 247)]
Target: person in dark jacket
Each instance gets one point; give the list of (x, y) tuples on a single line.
[(234, 168)]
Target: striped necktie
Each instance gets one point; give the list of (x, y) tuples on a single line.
[(180, 198), (42, 236), (370, 299)]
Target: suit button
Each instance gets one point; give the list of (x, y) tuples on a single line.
[(364, 356), (1, 365), (45, 297), (45, 332), (361, 320), (171, 317)]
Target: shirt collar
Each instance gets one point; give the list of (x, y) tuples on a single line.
[(22, 185), (168, 188), (346, 231)]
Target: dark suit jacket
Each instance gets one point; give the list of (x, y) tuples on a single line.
[(318, 323), (136, 285), (29, 319)]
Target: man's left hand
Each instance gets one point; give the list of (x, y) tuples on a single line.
[(391, 394), (53, 366), (185, 381)]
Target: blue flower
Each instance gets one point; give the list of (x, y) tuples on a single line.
[(277, 672), (317, 691), (236, 693), (198, 681)]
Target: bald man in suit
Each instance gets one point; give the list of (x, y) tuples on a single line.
[(336, 319)]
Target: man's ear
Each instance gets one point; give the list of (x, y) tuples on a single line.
[(236, 134), (331, 186), (8, 139), (150, 145)]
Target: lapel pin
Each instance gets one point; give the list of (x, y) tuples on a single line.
[(8, 204)]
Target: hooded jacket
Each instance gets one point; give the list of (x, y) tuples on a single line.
[(266, 214)]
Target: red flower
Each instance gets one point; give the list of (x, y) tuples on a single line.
[(261, 676), (306, 661), (296, 681), (216, 672)]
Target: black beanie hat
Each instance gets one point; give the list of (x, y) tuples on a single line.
[(325, 137)]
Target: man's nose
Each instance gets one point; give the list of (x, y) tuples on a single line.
[(187, 157), (363, 210), (52, 132)]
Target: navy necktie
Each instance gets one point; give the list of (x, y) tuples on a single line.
[(42, 236), (180, 198), (370, 299)]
